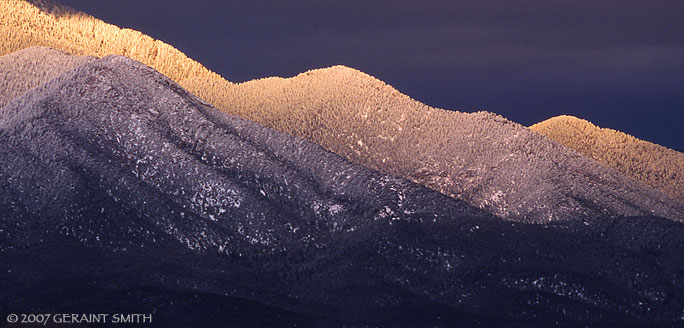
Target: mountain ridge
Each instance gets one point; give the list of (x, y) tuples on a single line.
[(112, 189), (48, 23), (655, 165), (374, 124), (395, 134), (379, 129)]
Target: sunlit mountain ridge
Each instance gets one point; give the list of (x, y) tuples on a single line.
[(24, 24), (659, 167), (482, 158), (121, 190)]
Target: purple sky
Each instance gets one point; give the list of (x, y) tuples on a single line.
[(619, 64)]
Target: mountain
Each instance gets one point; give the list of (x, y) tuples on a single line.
[(657, 166), (29, 23), (26, 69), (122, 192), (504, 169), (482, 158), (490, 162)]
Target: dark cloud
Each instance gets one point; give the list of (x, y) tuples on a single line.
[(619, 64)]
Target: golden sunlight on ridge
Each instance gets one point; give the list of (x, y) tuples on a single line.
[(61, 28), (482, 158), (659, 167)]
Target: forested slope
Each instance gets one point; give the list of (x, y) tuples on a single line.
[(482, 158), (24, 70), (120, 191), (659, 167), (24, 24)]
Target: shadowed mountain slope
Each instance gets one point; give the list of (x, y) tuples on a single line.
[(26, 69), (490, 162), (121, 191), (25, 24), (482, 158), (657, 166)]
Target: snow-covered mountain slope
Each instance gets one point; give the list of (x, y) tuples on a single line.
[(657, 166), (121, 191), (481, 158), (24, 70)]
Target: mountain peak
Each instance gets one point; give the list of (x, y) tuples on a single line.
[(475, 157), (116, 129), (345, 72), (657, 166), (112, 166), (565, 120), (463, 155)]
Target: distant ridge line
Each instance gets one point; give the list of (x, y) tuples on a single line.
[(54, 25), (482, 158), (655, 165)]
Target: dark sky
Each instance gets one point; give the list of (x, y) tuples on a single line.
[(619, 64)]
